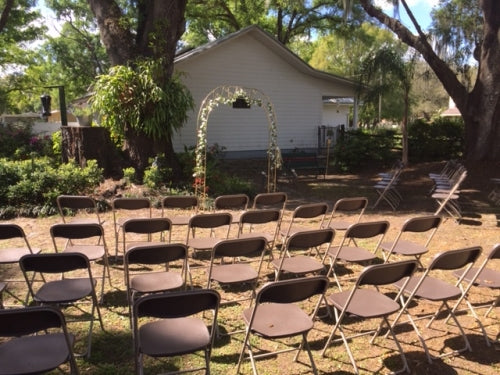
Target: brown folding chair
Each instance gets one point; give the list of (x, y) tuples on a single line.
[(122, 208), (206, 230), (261, 223), (403, 245), (70, 289), (295, 255), (350, 252), (235, 204), (87, 239), (15, 246), (366, 301), (270, 200), (39, 341), (347, 206), (276, 315), (230, 264), (70, 205), (142, 231), (432, 286), (305, 217), (141, 279), (484, 276), (179, 208), (177, 329)]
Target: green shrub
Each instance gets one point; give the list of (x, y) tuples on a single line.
[(14, 138), (33, 185), (437, 140), (129, 175), (361, 148), (158, 174)]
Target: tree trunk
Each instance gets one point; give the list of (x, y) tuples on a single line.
[(161, 23), (481, 107)]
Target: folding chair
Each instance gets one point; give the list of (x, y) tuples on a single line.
[(429, 287), (404, 246), (350, 252), (179, 208), (202, 231), (447, 199), (302, 219), (386, 189), (276, 315), (356, 205), (87, 239), (481, 277), (70, 205), (177, 329), (366, 301), (303, 243), (141, 279), (235, 204), (238, 270), (134, 230), (261, 223), (270, 200), (141, 207), (11, 254), (39, 341), (70, 290)]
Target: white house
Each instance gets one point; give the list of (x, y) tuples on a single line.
[(305, 100)]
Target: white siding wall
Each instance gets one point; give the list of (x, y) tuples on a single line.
[(247, 62), (334, 115)]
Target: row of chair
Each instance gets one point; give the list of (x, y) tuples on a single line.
[(386, 186), (174, 332)]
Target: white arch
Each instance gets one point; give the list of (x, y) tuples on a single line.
[(227, 95)]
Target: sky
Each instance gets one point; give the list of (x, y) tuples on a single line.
[(421, 10)]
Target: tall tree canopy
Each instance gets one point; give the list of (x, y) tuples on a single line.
[(479, 104)]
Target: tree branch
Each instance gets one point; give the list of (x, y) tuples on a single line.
[(5, 13)]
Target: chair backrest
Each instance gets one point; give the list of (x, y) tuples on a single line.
[(421, 223), (155, 254), (261, 216), (231, 202), (455, 259), (310, 211), (494, 252), (131, 203), (180, 202), (210, 220), (240, 247), (147, 225), (367, 229), (292, 290), (54, 262), (29, 320), (270, 200), (308, 239), (76, 231), (351, 204), (387, 273), (9, 231), (177, 304)]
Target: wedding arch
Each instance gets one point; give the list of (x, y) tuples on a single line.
[(244, 97)]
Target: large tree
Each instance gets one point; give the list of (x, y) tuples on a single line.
[(479, 106), (145, 29)]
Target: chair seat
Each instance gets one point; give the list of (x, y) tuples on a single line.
[(268, 236), (234, 273), (366, 303), (432, 289), (180, 219), (13, 254), (338, 225), (294, 229), (33, 354), (352, 254), (203, 243), (62, 291), (156, 282), (162, 338), (93, 252), (275, 320), (299, 265), (488, 277), (404, 247)]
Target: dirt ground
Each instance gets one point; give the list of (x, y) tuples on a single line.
[(480, 227)]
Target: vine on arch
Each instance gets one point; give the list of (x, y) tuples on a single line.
[(227, 95)]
